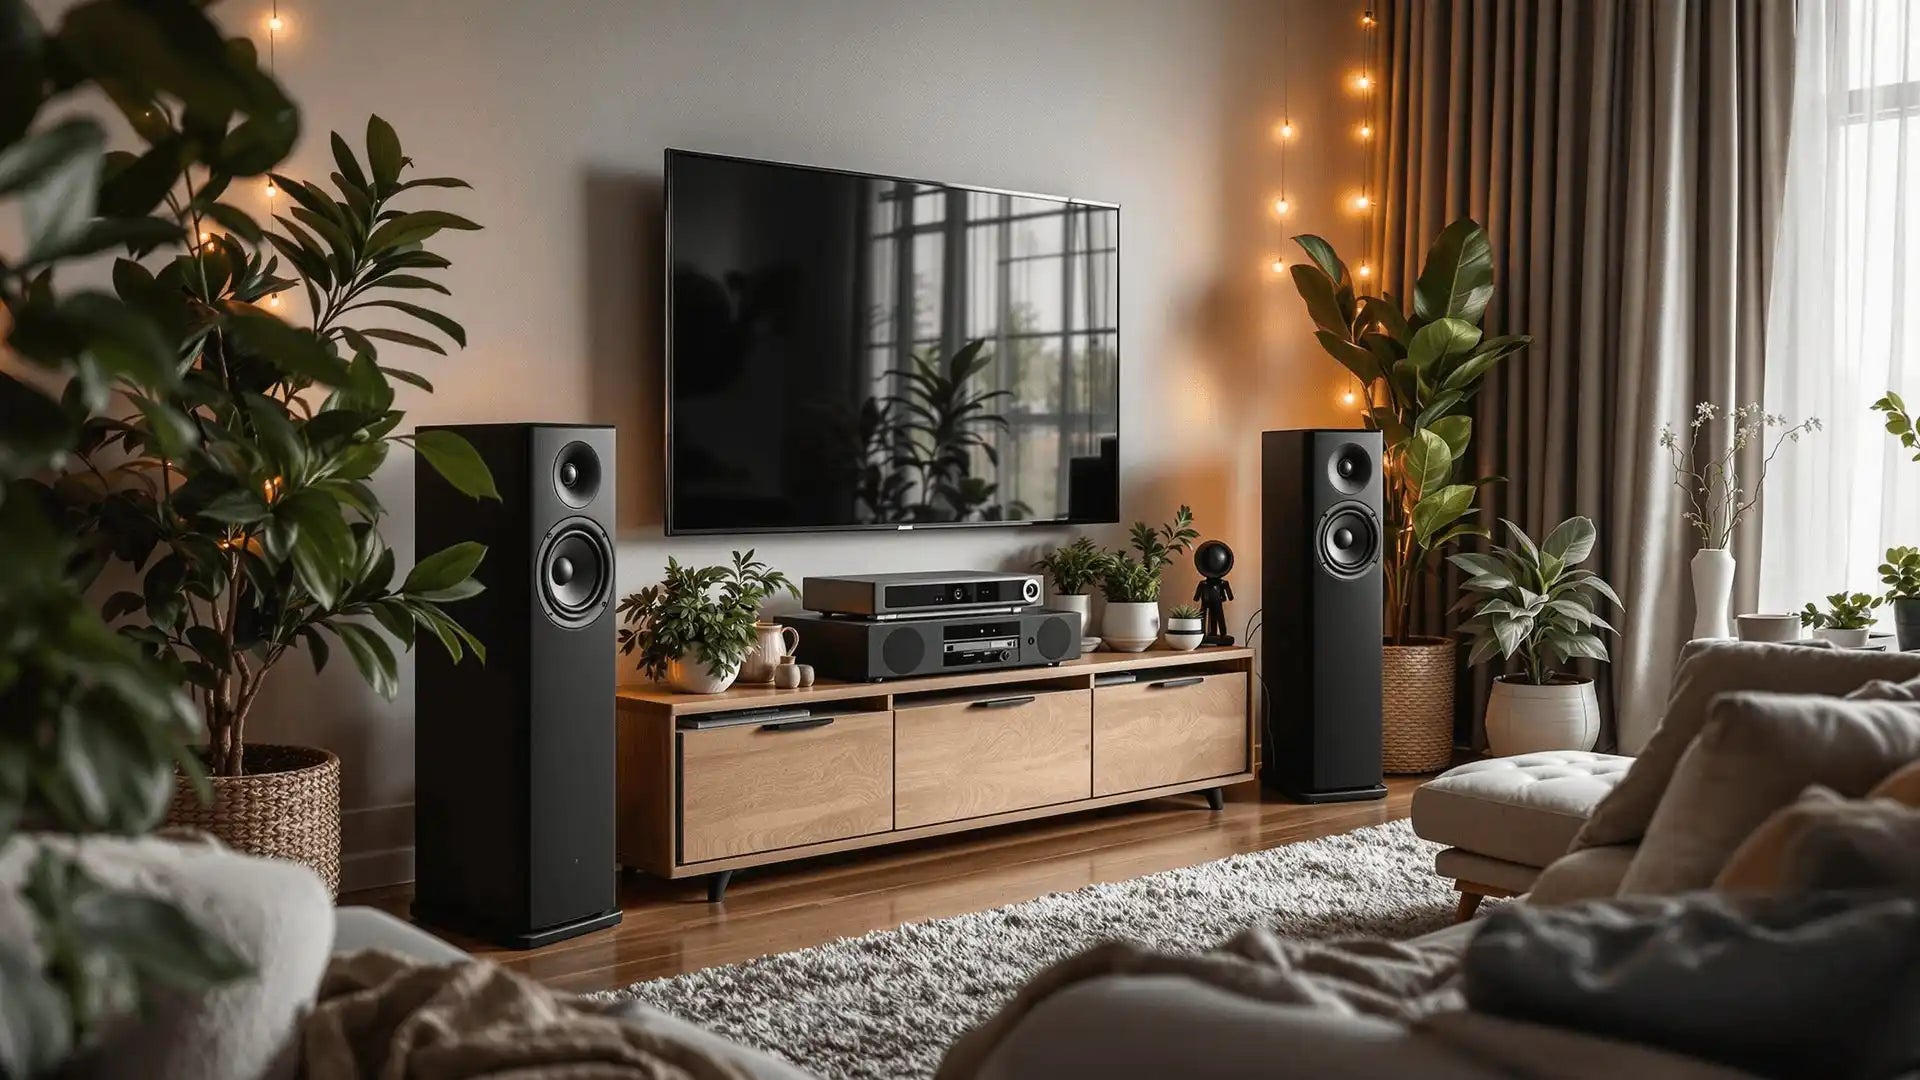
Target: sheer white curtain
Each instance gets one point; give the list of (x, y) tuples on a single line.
[(1844, 317)]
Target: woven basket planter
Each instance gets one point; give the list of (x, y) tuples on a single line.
[(287, 806), (1416, 721)]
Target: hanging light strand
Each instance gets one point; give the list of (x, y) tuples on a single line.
[(274, 26)]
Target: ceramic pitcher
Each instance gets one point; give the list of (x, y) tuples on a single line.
[(771, 641)]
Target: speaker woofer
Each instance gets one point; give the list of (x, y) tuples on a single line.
[(576, 474), (575, 572), (1348, 540), (1349, 469)]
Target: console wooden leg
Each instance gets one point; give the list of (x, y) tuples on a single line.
[(717, 885), (1216, 798)]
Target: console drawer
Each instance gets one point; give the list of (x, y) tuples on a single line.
[(1169, 729), (990, 753), (764, 787)]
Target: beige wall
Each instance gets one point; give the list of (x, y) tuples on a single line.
[(558, 113)]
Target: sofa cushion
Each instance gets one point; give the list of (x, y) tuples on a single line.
[(1822, 841), (1471, 866), (1522, 809), (1757, 754), (1706, 670), (1586, 874)]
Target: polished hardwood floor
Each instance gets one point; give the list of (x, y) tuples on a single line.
[(669, 928)]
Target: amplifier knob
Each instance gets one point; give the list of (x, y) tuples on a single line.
[(1006, 654)]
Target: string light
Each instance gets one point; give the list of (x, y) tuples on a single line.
[(1347, 398), (274, 23), (1281, 206), (1367, 20), (1279, 265), (273, 300), (1366, 131), (271, 190), (1363, 81), (1361, 201), (1285, 130), (1365, 271)]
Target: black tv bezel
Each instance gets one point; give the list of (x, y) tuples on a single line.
[(667, 359)]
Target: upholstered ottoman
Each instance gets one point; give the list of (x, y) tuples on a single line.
[(1504, 819)]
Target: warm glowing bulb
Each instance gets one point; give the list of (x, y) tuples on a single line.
[(1365, 270), (205, 236), (1363, 81), (274, 23), (274, 300), (1347, 397), (1361, 202), (1281, 206), (1367, 20), (1366, 131), (271, 190), (1286, 129), (1279, 266)]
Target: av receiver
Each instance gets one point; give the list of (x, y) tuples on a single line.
[(863, 650), (896, 596)]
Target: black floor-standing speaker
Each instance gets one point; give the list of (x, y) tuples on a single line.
[(1321, 593), (514, 811)]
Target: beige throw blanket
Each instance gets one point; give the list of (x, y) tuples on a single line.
[(381, 1015)]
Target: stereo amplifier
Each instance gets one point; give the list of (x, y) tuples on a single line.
[(865, 650), (896, 596)]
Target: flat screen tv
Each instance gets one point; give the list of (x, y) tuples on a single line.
[(851, 351)]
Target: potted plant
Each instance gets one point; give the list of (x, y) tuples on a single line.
[(91, 725), (1420, 371), (1847, 620), (1718, 496), (1074, 569), (1901, 575), (1184, 629), (240, 498), (693, 629), (1530, 602), (1132, 585)]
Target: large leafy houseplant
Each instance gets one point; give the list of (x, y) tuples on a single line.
[(241, 495), (92, 727), (1419, 370), (699, 615)]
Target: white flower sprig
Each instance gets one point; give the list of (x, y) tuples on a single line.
[(1714, 488)]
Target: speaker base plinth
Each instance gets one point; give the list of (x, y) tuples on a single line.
[(1361, 794), (463, 923)]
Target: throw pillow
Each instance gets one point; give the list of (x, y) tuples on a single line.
[(1823, 841), (1706, 670), (1756, 755), (1902, 787)]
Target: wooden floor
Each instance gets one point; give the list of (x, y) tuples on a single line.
[(669, 928)]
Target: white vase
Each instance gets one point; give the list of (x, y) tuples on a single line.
[(1081, 603), (689, 675), (771, 643), (1843, 639), (1712, 592), (1130, 627), (1523, 718)]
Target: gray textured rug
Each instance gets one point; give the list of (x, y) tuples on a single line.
[(886, 1004)]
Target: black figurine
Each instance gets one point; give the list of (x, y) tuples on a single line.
[(1214, 560)]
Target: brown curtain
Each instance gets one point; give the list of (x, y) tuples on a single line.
[(1627, 158)]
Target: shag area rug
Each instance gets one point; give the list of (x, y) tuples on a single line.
[(887, 1004)]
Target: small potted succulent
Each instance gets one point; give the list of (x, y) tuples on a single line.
[(1074, 569), (1846, 621), (1529, 602), (1184, 629), (694, 628), (1132, 584), (1901, 574)]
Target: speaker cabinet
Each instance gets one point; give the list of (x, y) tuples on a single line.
[(1321, 597), (514, 814)]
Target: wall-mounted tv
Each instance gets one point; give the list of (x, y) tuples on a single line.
[(851, 351)]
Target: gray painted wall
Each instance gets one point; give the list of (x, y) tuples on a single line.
[(558, 113)]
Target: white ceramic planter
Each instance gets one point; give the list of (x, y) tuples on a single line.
[(1523, 718), (689, 675), (1082, 603), (1712, 592), (1843, 639), (1759, 627), (1183, 635), (1130, 627)]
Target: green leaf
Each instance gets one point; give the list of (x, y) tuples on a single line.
[(1436, 511), (438, 321), (343, 157), (1387, 315), (455, 459), (22, 90), (293, 349), (1571, 541), (1322, 304), (235, 221), (412, 228), (58, 174), (1427, 463), (1324, 257), (403, 338), (445, 568), (1441, 339), (41, 157), (1457, 280), (1474, 368), (1361, 362), (1456, 430), (383, 153), (372, 656)]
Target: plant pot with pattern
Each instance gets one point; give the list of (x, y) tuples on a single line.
[(1533, 604), (1420, 370), (242, 499), (1131, 581), (693, 629)]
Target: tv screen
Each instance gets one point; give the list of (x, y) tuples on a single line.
[(849, 351)]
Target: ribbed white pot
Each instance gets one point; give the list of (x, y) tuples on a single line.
[(1130, 627), (1523, 718), (1843, 639), (689, 675), (1082, 603)]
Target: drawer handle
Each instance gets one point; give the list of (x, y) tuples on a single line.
[(1002, 702), (798, 725), (1168, 684)]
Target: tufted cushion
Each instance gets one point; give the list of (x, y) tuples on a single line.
[(1523, 809)]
